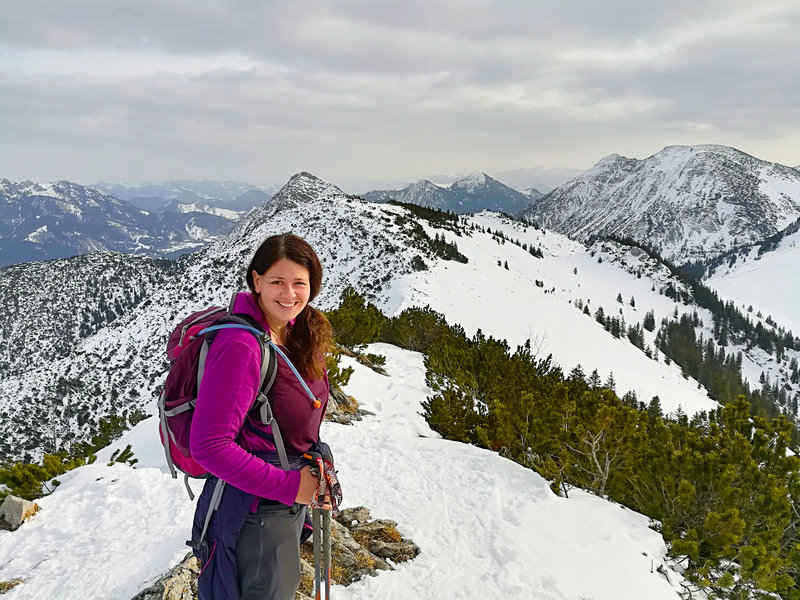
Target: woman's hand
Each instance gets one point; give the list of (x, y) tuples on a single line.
[(309, 484)]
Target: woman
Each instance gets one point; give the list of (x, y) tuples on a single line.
[(256, 530)]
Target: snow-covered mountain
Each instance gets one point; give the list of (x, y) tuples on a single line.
[(392, 256), (55, 220), (518, 282), (194, 207), (466, 195), (533, 193), (47, 308), (690, 203)]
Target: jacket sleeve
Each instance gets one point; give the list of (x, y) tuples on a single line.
[(226, 393)]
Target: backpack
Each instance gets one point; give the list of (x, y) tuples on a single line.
[(187, 349)]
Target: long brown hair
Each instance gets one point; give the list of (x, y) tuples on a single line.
[(310, 337)]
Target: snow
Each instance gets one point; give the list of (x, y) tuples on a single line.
[(487, 527), (770, 283), (471, 182), (37, 234), (225, 213), (507, 304)]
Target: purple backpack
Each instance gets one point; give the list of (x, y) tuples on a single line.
[(187, 348)]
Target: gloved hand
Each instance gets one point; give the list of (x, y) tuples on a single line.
[(331, 485)]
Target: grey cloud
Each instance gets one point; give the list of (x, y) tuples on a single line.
[(391, 88)]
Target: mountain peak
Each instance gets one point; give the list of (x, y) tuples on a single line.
[(689, 202), (304, 186), (471, 181)]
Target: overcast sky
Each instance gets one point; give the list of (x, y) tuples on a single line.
[(370, 90)]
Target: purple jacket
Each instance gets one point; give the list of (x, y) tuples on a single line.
[(230, 383)]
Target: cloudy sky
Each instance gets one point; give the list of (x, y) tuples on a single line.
[(367, 90)]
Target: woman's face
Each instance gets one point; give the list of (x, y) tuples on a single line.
[(283, 291)]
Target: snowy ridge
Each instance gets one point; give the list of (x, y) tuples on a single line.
[(372, 247), (108, 532), (689, 202), (225, 213), (128, 355)]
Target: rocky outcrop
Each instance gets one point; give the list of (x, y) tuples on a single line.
[(15, 511), (360, 546), (342, 408), (179, 583), (7, 586)]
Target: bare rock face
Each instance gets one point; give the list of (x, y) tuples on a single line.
[(15, 511), (359, 547)]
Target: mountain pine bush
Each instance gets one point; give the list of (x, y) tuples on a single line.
[(719, 486)]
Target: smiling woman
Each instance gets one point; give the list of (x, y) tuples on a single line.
[(254, 535)]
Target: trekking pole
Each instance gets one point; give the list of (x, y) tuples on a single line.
[(326, 544), (317, 565), (322, 556)]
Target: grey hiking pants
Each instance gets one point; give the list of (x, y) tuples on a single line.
[(268, 552)]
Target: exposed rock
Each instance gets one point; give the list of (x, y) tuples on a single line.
[(342, 408), (6, 586), (395, 551), (353, 538), (382, 539), (353, 516), (179, 583), (14, 511)]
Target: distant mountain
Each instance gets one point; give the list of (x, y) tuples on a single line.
[(691, 203), (231, 195), (533, 193), (56, 220), (467, 195)]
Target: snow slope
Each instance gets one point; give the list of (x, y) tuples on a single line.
[(770, 283), (487, 527), (509, 305)]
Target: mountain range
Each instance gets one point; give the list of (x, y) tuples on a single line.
[(84, 341), (230, 195), (56, 220), (466, 195), (392, 255)]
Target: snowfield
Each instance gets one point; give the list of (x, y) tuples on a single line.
[(507, 304), (769, 283), (487, 527)]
